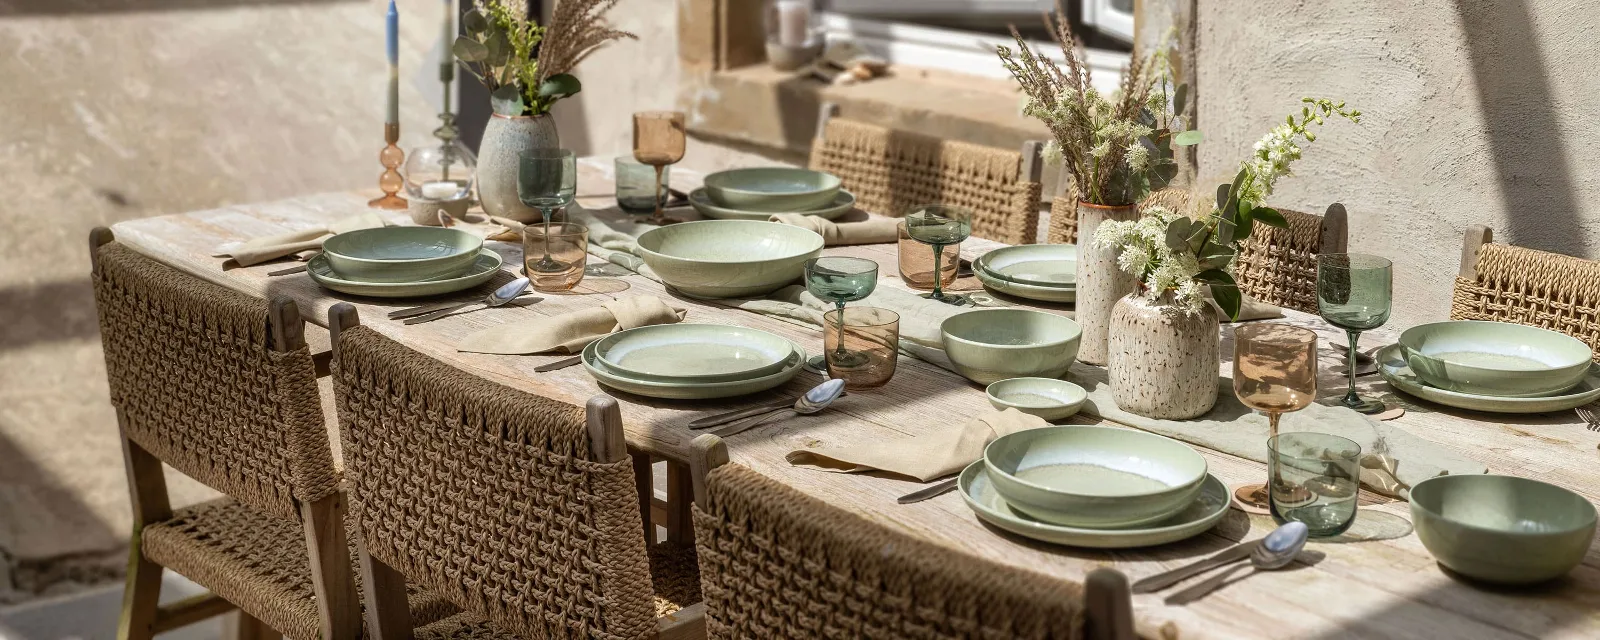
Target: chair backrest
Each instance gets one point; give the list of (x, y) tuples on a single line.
[(518, 508), (1504, 283), (776, 563), (891, 170), (216, 383)]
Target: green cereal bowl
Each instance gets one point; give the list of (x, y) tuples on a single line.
[(772, 189), (990, 345), (1097, 477), (729, 258), (1047, 398), (1495, 358), (401, 254), (1502, 529)]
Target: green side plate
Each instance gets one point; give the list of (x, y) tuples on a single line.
[(1392, 366), (487, 264), (842, 203), (1205, 512)]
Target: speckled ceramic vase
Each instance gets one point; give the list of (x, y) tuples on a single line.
[(1163, 359), (504, 139), (1100, 282)]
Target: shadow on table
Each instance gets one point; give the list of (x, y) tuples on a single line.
[(1371, 525)]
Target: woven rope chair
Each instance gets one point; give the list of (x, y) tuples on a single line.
[(1504, 283), (776, 563), (519, 509), (890, 171), (220, 386)]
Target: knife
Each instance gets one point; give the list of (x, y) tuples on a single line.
[(559, 364), (284, 272), (400, 314), (1166, 579), (725, 418), (929, 492)]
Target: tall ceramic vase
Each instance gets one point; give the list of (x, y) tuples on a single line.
[(504, 140), (1164, 358), (1100, 282)]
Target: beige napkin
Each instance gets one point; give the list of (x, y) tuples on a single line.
[(571, 332), (1249, 309), (871, 231), (924, 457), (261, 250)]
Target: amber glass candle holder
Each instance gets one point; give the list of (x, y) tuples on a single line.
[(916, 262), (566, 244), (868, 341), (390, 182)]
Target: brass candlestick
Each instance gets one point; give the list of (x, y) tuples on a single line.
[(390, 182)]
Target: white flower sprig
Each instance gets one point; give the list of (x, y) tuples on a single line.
[(1144, 253), (1275, 151)]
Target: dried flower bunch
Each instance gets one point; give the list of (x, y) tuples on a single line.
[(527, 67), (1170, 252), (1118, 149)]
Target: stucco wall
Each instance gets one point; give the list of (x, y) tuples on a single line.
[(1475, 111)]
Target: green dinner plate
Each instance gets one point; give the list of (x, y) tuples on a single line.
[(482, 270), (1202, 514), (690, 390), (1394, 369), (1039, 265), (690, 352), (842, 203), (1026, 291)]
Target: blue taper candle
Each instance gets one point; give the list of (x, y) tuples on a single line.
[(393, 42)]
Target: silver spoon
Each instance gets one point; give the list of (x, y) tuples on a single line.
[(506, 293), (1276, 551), (817, 399)]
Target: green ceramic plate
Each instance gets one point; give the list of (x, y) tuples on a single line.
[(1039, 265), (1392, 366), (1205, 512), (688, 352), (487, 265), (690, 390), (842, 203), (772, 189), (401, 254), (1495, 358), (1026, 291)]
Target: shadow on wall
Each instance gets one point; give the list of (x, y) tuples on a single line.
[(70, 7), (1537, 187)]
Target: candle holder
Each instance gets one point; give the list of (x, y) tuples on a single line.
[(794, 33), (390, 182)]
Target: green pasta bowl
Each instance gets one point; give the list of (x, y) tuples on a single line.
[(772, 189), (1099, 477), (990, 345), (1495, 358), (401, 254), (1502, 529), (728, 258)]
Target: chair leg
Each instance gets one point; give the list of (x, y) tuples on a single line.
[(141, 596), (680, 495), (243, 626), (1108, 606), (644, 483)]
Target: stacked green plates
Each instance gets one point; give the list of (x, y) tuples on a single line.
[(1046, 272), (1203, 513), (693, 361), (480, 271), (1393, 367), (843, 202)]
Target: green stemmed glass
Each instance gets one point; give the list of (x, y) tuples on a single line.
[(547, 180), (939, 225), (1353, 293), (840, 279)]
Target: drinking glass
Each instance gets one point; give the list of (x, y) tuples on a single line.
[(916, 266), (940, 226), (563, 243), (871, 336), (658, 141), (636, 188), (1275, 371), (547, 180), (1353, 293), (1315, 478), (840, 279)]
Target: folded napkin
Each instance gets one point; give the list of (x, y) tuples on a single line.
[(923, 457), (871, 231), (261, 250), (1249, 309), (571, 332)]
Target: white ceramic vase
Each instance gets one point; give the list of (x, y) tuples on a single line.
[(504, 140), (1100, 282), (1163, 358)]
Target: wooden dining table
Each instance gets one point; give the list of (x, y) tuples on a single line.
[(1375, 581)]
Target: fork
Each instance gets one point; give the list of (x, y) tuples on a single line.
[(1588, 413)]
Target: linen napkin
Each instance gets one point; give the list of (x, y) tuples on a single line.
[(571, 332), (1249, 309), (870, 231), (260, 250), (923, 457)]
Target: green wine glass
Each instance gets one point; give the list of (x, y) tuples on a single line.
[(1353, 293), (547, 180), (939, 225), (840, 279)]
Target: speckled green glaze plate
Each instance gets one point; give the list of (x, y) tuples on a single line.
[(842, 203), (690, 390), (1026, 291), (487, 264), (1392, 366), (1202, 514)]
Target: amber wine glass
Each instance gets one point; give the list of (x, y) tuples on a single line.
[(658, 141), (1274, 371)]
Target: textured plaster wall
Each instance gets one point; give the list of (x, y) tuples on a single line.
[(1475, 111)]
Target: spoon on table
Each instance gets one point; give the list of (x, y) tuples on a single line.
[(506, 293), (1276, 551), (817, 399)]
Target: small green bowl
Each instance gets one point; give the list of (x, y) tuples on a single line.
[(772, 189), (401, 254), (1097, 477), (1502, 529), (990, 345), (1047, 398), (1495, 358)]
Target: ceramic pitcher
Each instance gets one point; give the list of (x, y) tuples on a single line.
[(1164, 360), (504, 139), (1100, 282)]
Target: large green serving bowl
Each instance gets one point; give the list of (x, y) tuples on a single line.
[(1502, 529), (772, 189), (990, 345), (1099, 477), (401, 254), (1495, 358), (728, 258)]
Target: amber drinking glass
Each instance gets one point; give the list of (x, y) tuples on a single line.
[(547, 180), (939, 226), (564, 247), (916, 264), (658, 141), (1354, 293), (868, 338), (1275, 371)]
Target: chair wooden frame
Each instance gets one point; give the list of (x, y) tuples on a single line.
[(323, 522), (387, 615)]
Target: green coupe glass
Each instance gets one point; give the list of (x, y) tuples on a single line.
[(941, 226), (547, 180), (840, 279)]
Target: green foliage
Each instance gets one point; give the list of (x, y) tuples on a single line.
[(500, 48)]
